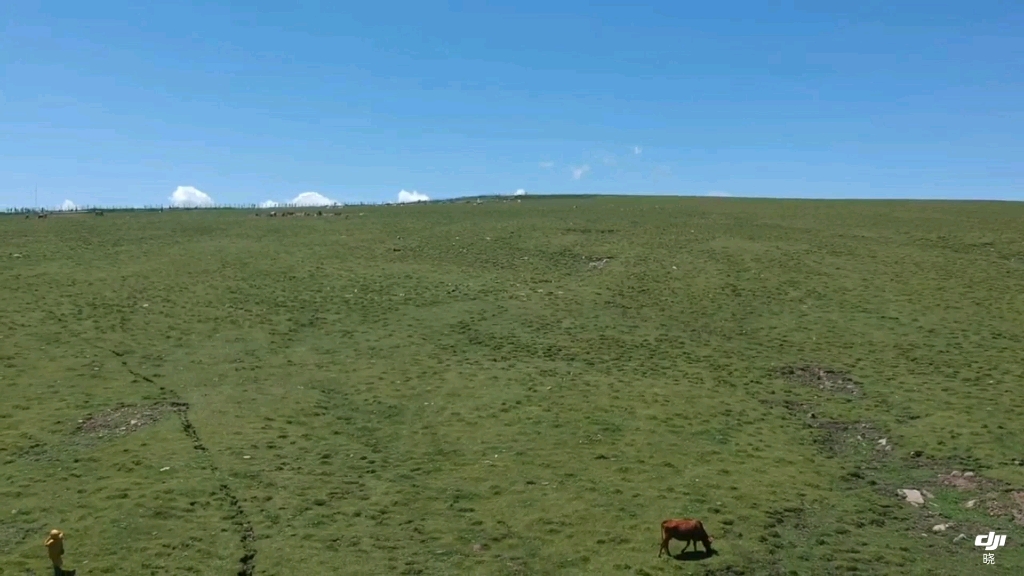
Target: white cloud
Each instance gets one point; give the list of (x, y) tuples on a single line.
[(638, 150), (67, 206), (579, 171), (414, 196), (269, 204), (609, 160), (312, 199), (718, 193), (189, 197), (520, 192), (547, 164)]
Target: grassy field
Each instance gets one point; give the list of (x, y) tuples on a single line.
[(514, 388)]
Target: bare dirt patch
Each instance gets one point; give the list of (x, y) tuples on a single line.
[(822, 378), (837, 438), (1018, 510), (1012, 506), (994, 496), (963, 480), (124, 420)]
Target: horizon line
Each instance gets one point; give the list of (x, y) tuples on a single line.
[(257, 206)]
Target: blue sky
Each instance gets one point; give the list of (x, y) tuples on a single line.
[(117, 103)]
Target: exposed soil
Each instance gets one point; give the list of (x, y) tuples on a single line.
[(1012, 506), (124, 420), (996, 507), (964, 480), (993, 495), (822, 379), (1018, 510), (838, 437)]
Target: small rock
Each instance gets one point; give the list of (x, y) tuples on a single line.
[(246, 457), (479, 547), (927, 494), (968, 474), (959, 538), (883, 441), (134, 422), (165, 468), (955, 473), (911, 495), (917, 453), (940, 527), (970, 504)]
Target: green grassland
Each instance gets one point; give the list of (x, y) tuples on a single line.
[(514, 388)]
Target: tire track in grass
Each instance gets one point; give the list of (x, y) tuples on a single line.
[(239, 517)]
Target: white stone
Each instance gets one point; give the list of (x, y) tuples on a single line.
[(912, 496)]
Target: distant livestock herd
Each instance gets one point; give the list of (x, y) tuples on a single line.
[(272, 214), (284, 214), (41, 215)]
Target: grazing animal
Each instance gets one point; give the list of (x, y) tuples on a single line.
[(99, 213), (41, 215), (684, 530)]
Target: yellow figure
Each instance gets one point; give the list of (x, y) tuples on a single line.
[(55, 548)]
